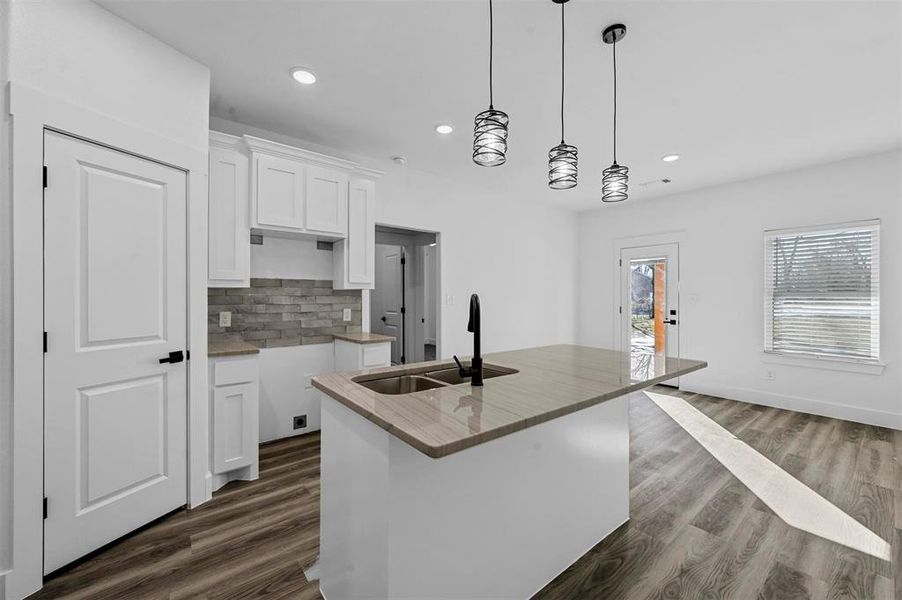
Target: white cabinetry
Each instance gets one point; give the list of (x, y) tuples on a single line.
[(265, 187), (229, 255), (277, 199), (354, 257), (354, 356), (327, 201), (299, 192), (234, 417)]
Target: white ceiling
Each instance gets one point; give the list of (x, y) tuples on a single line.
[(737, 88)]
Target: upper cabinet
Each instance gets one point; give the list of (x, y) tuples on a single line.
[(295, 191), (355, 257), (327, 201), (230, 252), (277, 194), (267, 187)]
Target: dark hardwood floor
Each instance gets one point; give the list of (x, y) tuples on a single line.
[(696, 532), (253, 540)]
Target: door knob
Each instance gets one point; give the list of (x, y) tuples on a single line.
[(670, 321), (382, 318), (174, 357)]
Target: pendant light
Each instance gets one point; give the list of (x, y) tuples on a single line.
[(490, 131), (562, 158), (614, 178)]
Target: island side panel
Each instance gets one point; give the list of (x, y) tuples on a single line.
[(354, 508), (502, 519)]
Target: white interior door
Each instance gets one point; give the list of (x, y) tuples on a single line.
[(387, 296), (115, 303), (649, 307)]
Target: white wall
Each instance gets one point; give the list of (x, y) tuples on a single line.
[(722, 278), (284, 258), (80, 53), (520, 255)]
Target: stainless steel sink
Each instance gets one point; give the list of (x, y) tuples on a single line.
[(452, 376), (401, 384), (406, 384)]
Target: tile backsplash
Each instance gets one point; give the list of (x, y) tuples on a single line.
[(283, 312)]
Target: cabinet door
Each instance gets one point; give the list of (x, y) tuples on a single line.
[(278, 193), (327, 201), (229, 246), (361, 242), (235, 421)]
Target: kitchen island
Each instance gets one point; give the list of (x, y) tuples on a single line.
[(433, 488)]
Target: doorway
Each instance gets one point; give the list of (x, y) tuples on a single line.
[(115, 321), (404, 303), (649, 308)]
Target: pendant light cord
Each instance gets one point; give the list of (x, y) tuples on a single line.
[(615, 100), (491, 53), (562, 72)]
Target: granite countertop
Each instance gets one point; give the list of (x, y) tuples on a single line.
[(230, 348), (363, 338), (549, 382)]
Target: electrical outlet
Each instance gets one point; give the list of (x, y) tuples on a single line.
[(300, 421), (346, 314), (225, 319)]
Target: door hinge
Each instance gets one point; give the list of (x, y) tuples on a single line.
[(621, 310), (45, 176), (45, 507), (620, 262), (45, 342), (187, 355), (403, 310), (403, 260)]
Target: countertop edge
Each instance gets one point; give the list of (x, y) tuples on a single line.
[(447, 449), (221, 349), (371, 338)]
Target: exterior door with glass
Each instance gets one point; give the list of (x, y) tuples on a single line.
[(649, 307)]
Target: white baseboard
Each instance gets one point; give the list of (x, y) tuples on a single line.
[(800, 404)]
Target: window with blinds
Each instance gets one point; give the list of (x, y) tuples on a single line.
[(822, 291)]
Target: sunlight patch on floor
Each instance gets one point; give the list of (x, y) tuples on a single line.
[(794, 502), (312, 572)]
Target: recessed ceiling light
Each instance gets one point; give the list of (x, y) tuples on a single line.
[(399, 160), (444, 128), (303, 75), (670, 157)]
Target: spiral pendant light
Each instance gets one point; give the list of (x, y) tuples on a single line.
[(490, 131), (562, 169), (614, 179)]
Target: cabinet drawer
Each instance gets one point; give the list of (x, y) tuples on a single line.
[(230, 372), (376, 355)]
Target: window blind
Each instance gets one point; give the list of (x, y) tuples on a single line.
[(822, 291)]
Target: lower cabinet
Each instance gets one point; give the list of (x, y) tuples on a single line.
[(234, 416), (353, 356)]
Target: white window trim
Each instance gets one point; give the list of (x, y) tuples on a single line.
[(814, 361)]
